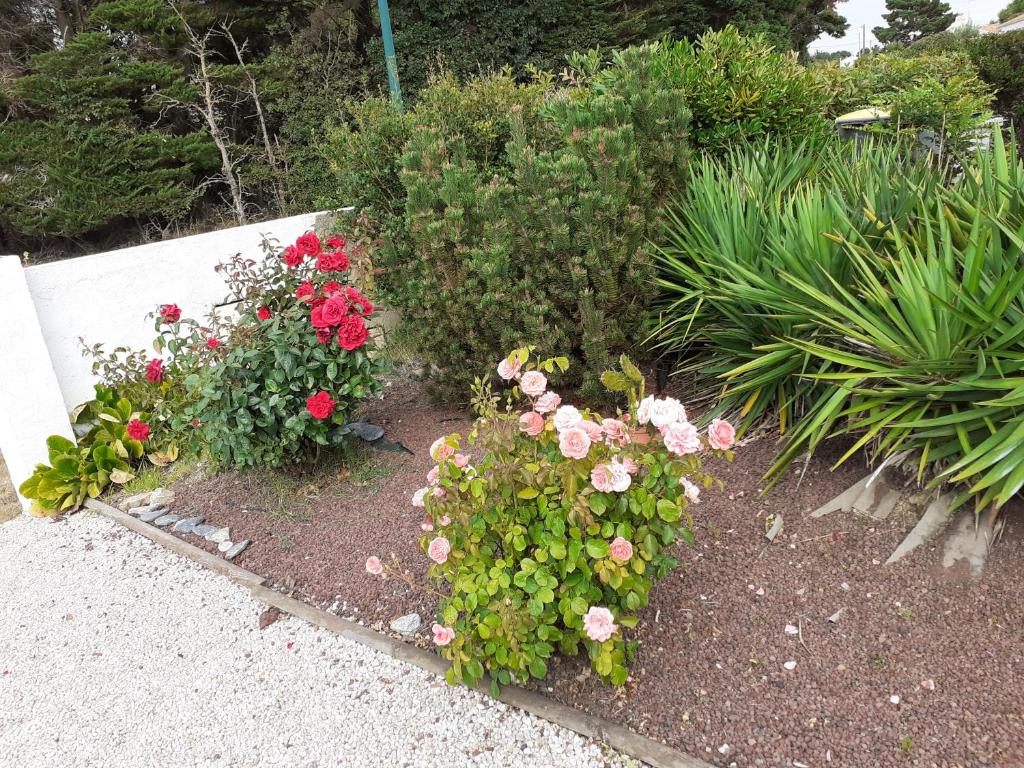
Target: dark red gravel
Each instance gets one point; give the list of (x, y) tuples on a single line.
[(709, 678)]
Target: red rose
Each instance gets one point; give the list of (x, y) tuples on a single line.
[(212, 343), (325, 335), (308, 244), (316, 318), (155, 370), (304, 290), (170, 313), (320, 405), (332, 262), (352, 333), (292, 256), (331, 288), (337, 243), (365, 305), (333, 310), (264, 313), (137, 430)]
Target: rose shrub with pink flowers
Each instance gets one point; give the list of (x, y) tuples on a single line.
[(548, 523)]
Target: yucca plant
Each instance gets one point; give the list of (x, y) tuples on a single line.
[(744, 222), (922, 346)]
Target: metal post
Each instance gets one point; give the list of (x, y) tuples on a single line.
[(389, 53)]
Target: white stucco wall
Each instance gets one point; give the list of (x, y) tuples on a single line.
[(31, 405), (103, 298)]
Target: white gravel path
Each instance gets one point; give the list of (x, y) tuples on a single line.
[(116, 652)]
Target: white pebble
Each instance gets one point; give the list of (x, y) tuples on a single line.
[(790, 665), (791, 630), (894, 699)]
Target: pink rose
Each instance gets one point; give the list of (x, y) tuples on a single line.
[(567, 417), (631, 466), (599, 624), (532, 423), (609, 478), (601, 478), (533, 383), (620, 549), (417, 498), (681, 438), (574, 443), (508, 369), (438, 492), (547, 402), (442, 635), (615, 431), (440, 450), (621, 479), (460, 460), (434, 475), (445, 520), (666, 410), (374, 566), (438, 549), (691, 491), (643, 411), (721, 435), (593, 430), (427, 525)]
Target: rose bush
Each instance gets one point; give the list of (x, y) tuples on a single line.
[(554, 537), (282, 377)]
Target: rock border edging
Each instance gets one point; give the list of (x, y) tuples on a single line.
[(617, 737)]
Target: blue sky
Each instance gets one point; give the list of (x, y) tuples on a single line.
[(869, 12)]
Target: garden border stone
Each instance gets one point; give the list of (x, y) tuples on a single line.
[(617, 737)]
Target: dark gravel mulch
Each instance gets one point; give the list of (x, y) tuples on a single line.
[(709, 676)]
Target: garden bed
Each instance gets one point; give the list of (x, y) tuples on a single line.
[(709, 678)]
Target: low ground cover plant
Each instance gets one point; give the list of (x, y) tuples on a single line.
[(113, 438), (550, 540)]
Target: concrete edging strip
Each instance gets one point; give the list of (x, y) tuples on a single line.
[(615, 736)]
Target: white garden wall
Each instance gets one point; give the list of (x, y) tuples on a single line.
[(104, 298)]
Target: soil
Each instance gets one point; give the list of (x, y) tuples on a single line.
[(710, 675)]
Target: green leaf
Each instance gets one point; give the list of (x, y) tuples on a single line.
[(597, 548)]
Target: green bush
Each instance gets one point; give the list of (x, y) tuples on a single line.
[(555, 537), (518, 211), (939, 92)]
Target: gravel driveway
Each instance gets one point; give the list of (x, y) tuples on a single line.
[(115, 652)]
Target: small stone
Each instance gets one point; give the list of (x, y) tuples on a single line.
[(236, 550), (143, 509), (138, 500), (165, 520), (834, 618), (928, 685), (894, 699), (760, 592), (406, 625), (153, 514), (775, 529), (724, 749), (187, 525), (224, 546), (845, 587), (791, 630), (204, 530), (162, 496), (790, 665), (219, 535)]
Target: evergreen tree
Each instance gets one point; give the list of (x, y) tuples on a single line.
[(910, 20)]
